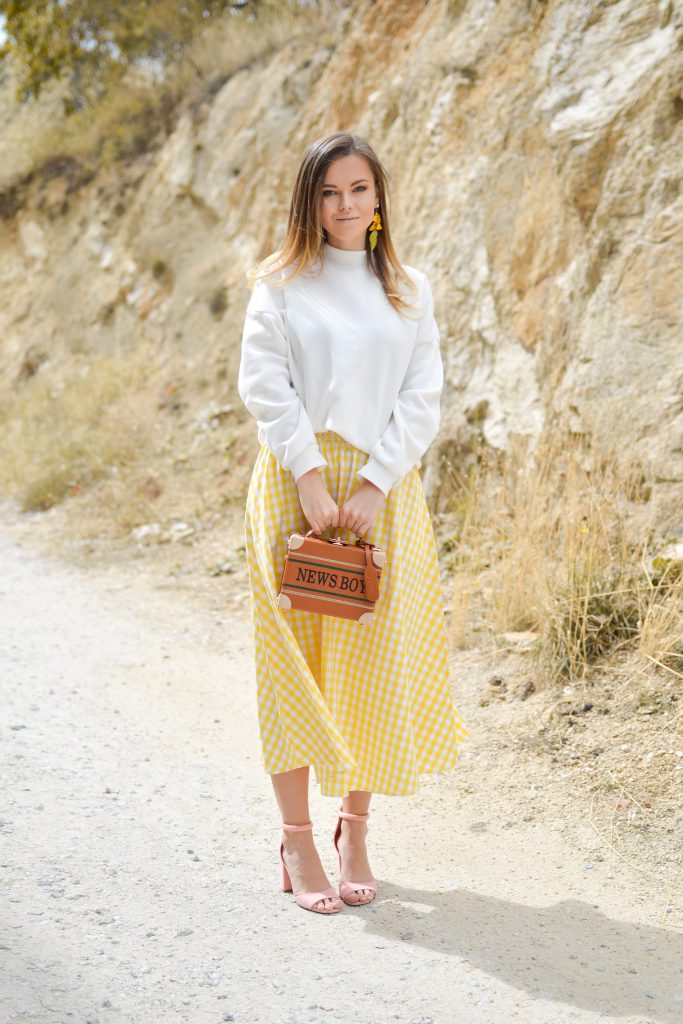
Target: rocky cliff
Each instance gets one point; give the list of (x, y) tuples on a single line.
[(534, 151)]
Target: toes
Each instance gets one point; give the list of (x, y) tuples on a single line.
[(328, 904), (358, 896)]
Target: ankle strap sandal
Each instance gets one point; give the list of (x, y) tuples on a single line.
[(307, 900), (348, 890)]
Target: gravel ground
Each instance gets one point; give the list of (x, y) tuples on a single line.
[(138, 846)]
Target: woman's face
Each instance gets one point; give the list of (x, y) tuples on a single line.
[(347, 202)]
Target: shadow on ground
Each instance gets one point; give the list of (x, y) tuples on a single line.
[(568, 952)]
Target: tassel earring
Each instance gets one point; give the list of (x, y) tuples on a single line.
[(375, 226)]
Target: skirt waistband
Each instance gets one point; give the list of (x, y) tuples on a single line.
[(330, 438)]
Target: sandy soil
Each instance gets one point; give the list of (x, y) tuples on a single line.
[(539, 882)]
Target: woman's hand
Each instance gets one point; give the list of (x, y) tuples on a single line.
[(317, 503), (358, 513)]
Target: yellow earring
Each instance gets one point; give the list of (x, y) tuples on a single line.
[(375, 226)]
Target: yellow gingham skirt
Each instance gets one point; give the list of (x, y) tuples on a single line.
[(369, 707)]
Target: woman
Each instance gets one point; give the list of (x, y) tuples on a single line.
[(343, 374)]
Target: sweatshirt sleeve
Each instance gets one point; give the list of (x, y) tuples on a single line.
[(415, 417), (265, 385)]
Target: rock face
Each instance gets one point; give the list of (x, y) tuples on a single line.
[(535, 152)]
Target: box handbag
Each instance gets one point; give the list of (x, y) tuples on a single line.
[(332, 577)]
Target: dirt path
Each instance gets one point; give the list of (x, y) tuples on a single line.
[(138, 846)]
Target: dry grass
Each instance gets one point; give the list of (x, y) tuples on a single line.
[(64, 431), (560, 542), (120, 441), (136, 110), (235, 42), (661, 634)]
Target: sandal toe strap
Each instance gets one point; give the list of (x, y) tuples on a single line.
[(347, 888), (309, 899)]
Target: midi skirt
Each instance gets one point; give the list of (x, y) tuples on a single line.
[(369, 707)]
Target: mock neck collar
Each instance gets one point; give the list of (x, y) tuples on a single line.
[(344, 257)]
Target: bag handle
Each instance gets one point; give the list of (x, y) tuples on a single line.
[(370, 573), (359, 542)]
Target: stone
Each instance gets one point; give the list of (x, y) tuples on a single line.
[(553, 244)]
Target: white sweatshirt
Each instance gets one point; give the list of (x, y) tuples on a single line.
[(331, 353)]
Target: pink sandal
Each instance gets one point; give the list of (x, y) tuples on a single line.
[(347, 888), (307, 900)]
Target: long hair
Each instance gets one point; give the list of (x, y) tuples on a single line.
[(305, 238)]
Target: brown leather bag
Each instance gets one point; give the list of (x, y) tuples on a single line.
[(331, 577)]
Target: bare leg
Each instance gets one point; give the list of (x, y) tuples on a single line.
[(301, 857), (354, 857)]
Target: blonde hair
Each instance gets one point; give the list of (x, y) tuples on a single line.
[(304, 241)]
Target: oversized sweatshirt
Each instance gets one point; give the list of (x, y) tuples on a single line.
[(327, 351)]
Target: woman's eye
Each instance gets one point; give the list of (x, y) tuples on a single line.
[(327, 192)]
